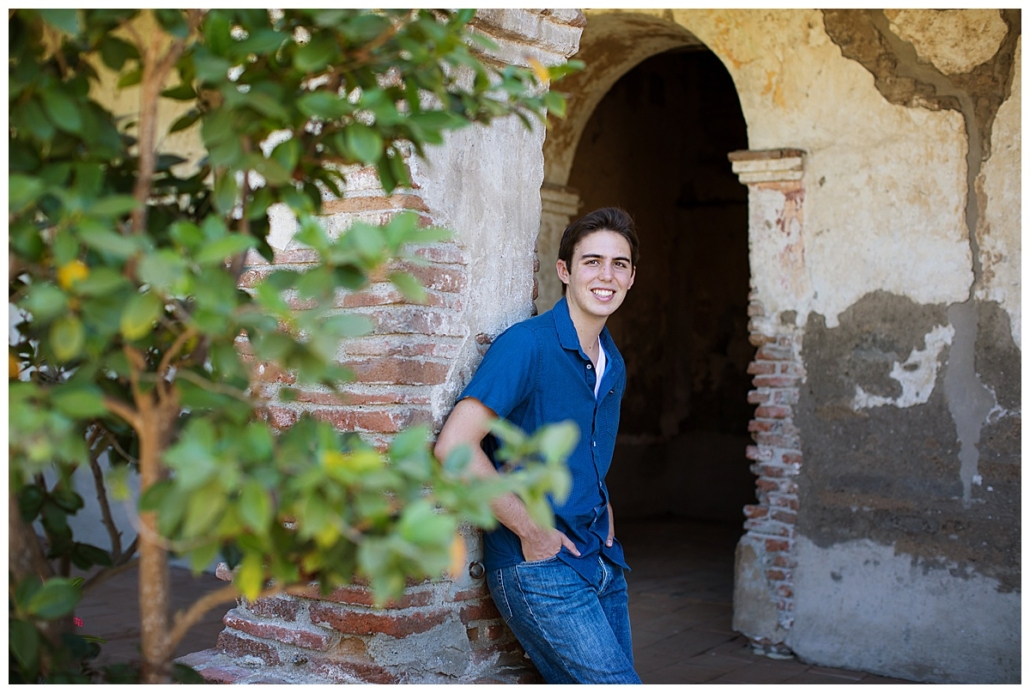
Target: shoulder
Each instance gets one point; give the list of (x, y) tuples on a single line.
[(529, 332)]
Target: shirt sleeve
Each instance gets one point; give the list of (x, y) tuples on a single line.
[(507, 375)]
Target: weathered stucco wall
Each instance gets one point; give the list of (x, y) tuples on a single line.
[(894, 269)]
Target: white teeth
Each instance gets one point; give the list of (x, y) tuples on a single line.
[(603, 292)]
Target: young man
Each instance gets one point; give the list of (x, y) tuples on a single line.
[(562, 590)]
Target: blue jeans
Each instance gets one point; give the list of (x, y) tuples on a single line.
[(574, 630)]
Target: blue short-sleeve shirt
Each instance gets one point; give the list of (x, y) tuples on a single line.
[(535, 373)]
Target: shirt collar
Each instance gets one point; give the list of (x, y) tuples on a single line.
[(567, 335)]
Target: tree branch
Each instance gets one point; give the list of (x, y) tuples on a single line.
[(108, 573), (105, 506), (123, 410)]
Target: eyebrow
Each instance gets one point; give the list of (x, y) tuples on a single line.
[(585, 256)]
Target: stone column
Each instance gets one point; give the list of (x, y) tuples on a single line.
[(763, 599), (483, 184)]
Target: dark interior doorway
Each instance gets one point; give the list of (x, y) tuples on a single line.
[(656, 145)]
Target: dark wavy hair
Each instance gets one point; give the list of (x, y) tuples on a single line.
[(604, 219)]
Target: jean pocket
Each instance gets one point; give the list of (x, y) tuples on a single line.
[(542, 561)]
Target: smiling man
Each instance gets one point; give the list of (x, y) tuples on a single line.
[(561, 590)]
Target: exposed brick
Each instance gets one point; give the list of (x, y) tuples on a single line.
[(767, 485), (312, 640), (774, 545), (351, 205), (363, 596), (787, 396), (753, 452), (335, 670), (777, 441), (435, 277), (761, 367), (755, 511), (295, 256), (775, 575), (271, 373), (477, 612), (761, 425), (242, 646), (403, 345), (442, 253), (281, 417), (774, 381), (354, 622), (757, 339), (379, 420), (784, 516), (416, 320), (755, 309), (274, 607), (472, 634), (756, 397), (784, 502), (785, 591), (398, 371), (478, 592), (394, 395), (784, 561), (773, 352), (791, 458), (773, 412)]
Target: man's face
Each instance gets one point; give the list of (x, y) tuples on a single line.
[(600, 274)]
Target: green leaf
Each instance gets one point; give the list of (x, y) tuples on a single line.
[(102, 281), (316, 53), (205, 506), (224, 248), (22, 191), (250, 577), (364, 143), (130, 78), (79, 401), (56, 598), (62, 110), (164, 270), (185, 121), (115, 52), (65, 20), (44, 301), (113, 206), (422, 525), (409, 286), (173, 22), (181, 92), (255, 507), (323, 104), (23, 639), (67, 337), (139, 315), (99, 236), (225, 192)]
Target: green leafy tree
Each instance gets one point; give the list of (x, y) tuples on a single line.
[(135, 343)]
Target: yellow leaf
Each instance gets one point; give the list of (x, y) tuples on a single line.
[(360, 462), (540, 70), (71, 273), (13, 367), (458, 556)]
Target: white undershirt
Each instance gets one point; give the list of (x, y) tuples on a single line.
[(602, 361)]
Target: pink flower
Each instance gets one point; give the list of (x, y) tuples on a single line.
[(78, 622)]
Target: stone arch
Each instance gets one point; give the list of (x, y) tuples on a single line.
[(613, 44)]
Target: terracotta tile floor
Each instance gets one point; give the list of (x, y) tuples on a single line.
[(681, 590)]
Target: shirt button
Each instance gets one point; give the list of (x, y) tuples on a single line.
[(590, 366), (595, 443)]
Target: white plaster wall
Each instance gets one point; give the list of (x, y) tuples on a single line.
[(884, 184), (1000, 232), (860, 606), (484, 185)]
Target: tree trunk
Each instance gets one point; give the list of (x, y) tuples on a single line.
[(156, 421)]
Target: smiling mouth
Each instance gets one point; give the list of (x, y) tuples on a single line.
[(603, 293)]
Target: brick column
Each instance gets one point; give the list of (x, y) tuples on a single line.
[(764, 579), (407, 371)]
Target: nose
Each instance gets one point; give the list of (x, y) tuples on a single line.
[(606, 270)]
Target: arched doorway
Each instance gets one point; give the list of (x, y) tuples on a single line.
[(655, 142)]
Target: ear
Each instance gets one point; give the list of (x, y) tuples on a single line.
[(631, 278), (563, 271)]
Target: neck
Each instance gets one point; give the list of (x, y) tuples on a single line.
[(588, 327)]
